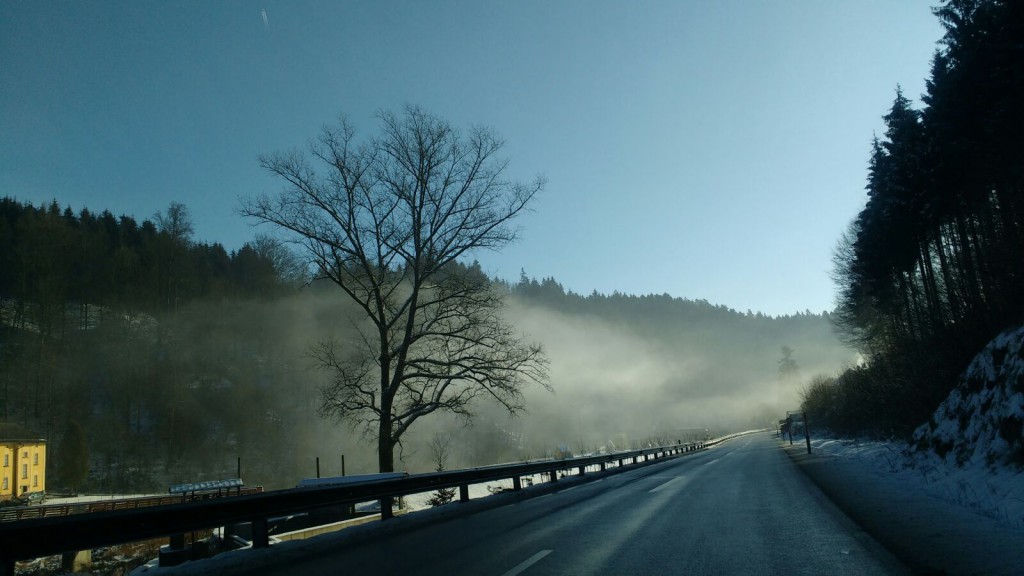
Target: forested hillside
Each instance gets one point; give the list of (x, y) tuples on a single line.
[(648, 366), (933, 266), (167, 359), (154, 345)]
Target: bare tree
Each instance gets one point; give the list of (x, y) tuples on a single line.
[(389, 222), (176, 229), (176, 223), (441, 447), (288, 266)]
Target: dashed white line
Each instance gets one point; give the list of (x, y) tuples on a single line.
[(519, 569), (666, 484), (712, 462)]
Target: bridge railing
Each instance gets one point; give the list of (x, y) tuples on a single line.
[(46, 510), (45, 536)]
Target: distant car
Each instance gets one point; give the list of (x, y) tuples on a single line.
[(30, 498)]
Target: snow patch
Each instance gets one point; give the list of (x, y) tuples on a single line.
[(981, 422), (993, 491)]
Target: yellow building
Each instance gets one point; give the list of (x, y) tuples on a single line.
[(22, 462)]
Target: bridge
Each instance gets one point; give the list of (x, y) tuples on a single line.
[(46, 535)]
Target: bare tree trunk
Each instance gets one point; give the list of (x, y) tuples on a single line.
[(385, 454)]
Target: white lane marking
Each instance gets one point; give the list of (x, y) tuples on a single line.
[(527, 563), (666, 484), (712, 462), (567, 489)]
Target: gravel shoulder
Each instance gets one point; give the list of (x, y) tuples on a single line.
[(930, 535)]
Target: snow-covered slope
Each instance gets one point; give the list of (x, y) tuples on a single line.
[(982, 420)]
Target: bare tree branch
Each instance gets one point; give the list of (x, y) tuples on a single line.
[(389, 222)]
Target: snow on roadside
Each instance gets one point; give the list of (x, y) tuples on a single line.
[(996, 492), (420, 501), (971, 452), (86, 498)]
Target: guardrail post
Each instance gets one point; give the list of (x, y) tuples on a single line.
[(554, 476), (807, 433), (583, 470), (517, 483), (385, 508), (463, 492), (602, 466)]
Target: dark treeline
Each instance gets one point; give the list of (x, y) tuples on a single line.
[(689, 325), (933, 266), (50, 256), (135, 335)]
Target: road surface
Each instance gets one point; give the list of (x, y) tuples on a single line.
[(741, 507)]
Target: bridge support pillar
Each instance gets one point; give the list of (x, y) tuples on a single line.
[(260, 538), (175, 553), (76, 561)]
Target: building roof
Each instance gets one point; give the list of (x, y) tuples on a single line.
[(13, 432)]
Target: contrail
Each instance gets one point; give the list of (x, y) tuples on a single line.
[(263, 12)]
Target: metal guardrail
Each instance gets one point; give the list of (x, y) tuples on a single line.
[(36, 537)]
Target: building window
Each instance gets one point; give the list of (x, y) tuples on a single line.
[(7, 460), (35, 480), (25, 454), (5, 484), (24, 471), (35, 459)]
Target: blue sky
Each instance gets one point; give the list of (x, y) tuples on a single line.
[(705, 149)]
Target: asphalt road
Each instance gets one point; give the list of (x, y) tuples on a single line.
[(742, 507)]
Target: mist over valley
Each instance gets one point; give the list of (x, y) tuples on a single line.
[(169, 393)]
